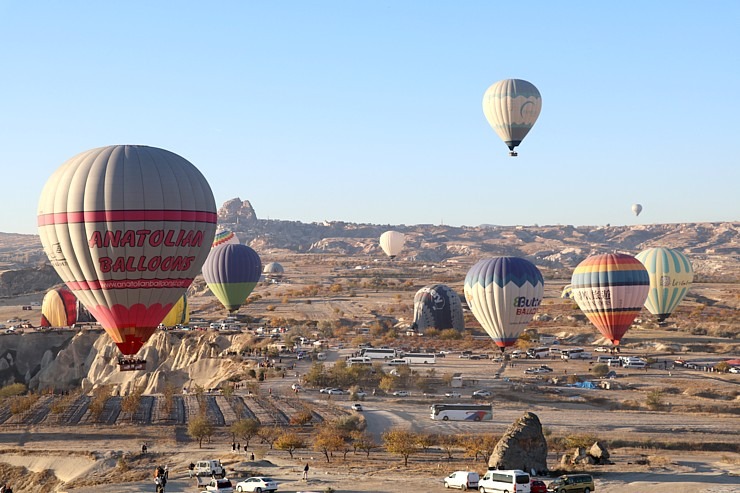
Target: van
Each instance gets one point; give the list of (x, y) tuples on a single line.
[(582, 483), (321, 356), (603, 359), (612, 362), (465, 480), (513, 481), (634, 364)]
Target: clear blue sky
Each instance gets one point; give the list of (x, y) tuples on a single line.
[(371, 111)]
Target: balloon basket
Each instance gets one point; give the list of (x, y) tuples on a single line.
[(513, 154), (131, 364)]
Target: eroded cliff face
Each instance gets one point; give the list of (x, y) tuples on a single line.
[(65, 360)]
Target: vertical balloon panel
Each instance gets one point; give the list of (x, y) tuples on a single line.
[(127, 228)]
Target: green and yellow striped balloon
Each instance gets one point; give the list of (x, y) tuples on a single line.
[(670, 274)]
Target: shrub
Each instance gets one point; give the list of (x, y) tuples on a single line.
[(654, 400)]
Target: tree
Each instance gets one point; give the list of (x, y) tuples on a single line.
[(361, 440), (400, 442), (426, 440), (270, 434), (290, 442), (329, 439), (599, 370), (199, 428), (448, 443), (245, 430), (130, 403), (302, 417)]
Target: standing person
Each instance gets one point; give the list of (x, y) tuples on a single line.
[(305, 472), (251, 456)]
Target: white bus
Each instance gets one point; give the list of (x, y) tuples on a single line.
[(420, 358), (574, 353), (538, 352), (359, 360), (462, 412), (379, 353), (511, 481)]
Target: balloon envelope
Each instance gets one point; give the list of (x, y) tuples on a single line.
[(59, 308), (180, 313), (610, 289), (224, 237), (503, 293), (511, 107), (671, 275), (232, 272), (392, 243), (636, 209), (273, 268), (127, 228), (438, 306), (567, 291)]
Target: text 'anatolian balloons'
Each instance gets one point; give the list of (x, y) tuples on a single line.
[(127, 228)]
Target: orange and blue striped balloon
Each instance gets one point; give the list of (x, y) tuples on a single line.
[(610, 289)]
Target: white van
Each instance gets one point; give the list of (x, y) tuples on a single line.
[(634, 363), (359, 360), (465, 480), (512, 481)]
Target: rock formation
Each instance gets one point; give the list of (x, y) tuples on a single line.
[(523, 446), (237, 211)]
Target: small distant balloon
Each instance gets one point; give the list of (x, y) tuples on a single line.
[(511, 107), (225, 237), (392, 243), (636, 209)]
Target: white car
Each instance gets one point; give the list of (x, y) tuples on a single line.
[(401, 393), (357, 406), (296, 387), (257, 484), (734, 369), (336, 392), (220, 486), (453, 395), (601, 349), (465, 480), (481, 394)]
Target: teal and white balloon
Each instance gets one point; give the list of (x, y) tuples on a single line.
[(671, 275), (511, 107)]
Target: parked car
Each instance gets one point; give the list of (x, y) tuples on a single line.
[(336, 392), (534, 370), (257, 484), (453, 395), (517, 353), (327, 389), (734, 369), (546, 368), (602, 349), (401, 393), (582, 483), (357, 406), (296, 387), (537, 486), (222, 485), (465, 480), (482, 394)]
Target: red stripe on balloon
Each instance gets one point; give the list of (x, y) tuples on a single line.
[(129, 284), (126, 215)]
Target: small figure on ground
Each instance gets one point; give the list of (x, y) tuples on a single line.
[(143, 448), (191, 468), (305, 472), (251, 456)]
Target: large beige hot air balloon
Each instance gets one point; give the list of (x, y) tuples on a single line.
[(392, 243), (511, 107), (127, 228)]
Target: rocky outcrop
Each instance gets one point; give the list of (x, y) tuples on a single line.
[(523, 446), (237, 211), (24, 281), (596, 454)]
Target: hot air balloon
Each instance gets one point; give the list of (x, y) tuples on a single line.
[(180, 313), (392, 243), (636, 209), (59, 308), (567, 292), (610, 289), (670, 275), (503, 293), (511, 107), (438, 306), (127, 228), (224, 237), (232, 272), (274, 269)]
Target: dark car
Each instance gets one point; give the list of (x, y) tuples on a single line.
[(537, 486)]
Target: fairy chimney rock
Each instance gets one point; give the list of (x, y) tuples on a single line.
[(523, 446)]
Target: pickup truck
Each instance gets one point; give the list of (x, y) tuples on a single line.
[(208, 469)]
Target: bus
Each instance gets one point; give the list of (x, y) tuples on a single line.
[(575, 353), (420, 358), (379, 353), (462, 412), (538, 352), (510, 481)]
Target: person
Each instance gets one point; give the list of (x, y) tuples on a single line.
[(238, 446), (166, 472), (305, 472), (143, 448), (158, 482), (8, 489), (191, 468), (3, 488), (251, 456), (233, 446)]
